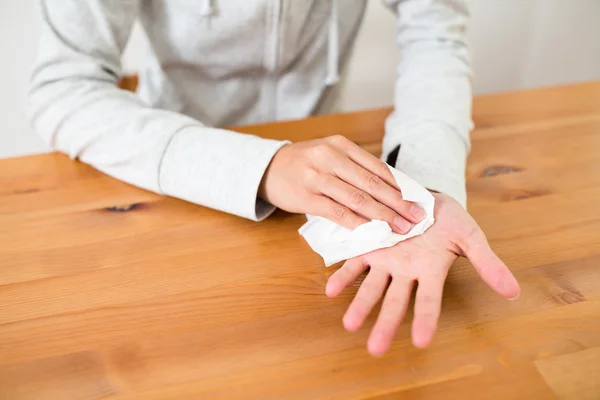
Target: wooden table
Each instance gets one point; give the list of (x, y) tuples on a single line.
[(172, 300)]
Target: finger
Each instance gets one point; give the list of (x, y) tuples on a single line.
[(368, 295), (325, 207), (379, 190), (345, 276), (393, 311), (361, 203), (380, 171), (365, 159), (428, 304), (489, 267)]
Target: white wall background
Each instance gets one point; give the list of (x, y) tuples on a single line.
[(515, 44)]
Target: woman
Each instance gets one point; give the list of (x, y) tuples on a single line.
[(234, 62)]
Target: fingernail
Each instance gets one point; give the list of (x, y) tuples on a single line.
[(402, 224), (417, 212), (516, 297)]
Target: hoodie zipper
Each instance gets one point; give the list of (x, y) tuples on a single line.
[(272, 59)]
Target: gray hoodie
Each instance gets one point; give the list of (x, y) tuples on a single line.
[(231, 62)]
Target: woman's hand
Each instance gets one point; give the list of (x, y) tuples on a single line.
[(425, 259), (336, 179)]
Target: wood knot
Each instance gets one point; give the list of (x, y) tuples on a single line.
[(122, 208), (522, 194), (570, 298), (500, 170), (26, 191)]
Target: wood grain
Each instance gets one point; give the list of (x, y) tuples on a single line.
[(108, 291), (573, 376)]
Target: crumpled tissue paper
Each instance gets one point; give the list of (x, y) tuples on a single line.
[(335, 243)]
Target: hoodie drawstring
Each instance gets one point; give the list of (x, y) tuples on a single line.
[(207, 8), (333, 47)]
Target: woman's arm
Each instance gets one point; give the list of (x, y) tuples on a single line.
[(432, 117), (76, 107)]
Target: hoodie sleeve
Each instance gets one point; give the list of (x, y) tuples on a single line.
[(75, 106), (431, 121)]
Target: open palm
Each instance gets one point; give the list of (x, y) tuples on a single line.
[(425, 259)]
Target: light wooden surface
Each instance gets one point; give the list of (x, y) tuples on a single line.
[(171, 300)]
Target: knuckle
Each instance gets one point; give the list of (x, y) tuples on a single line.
[(428, 316), (374, 182), (310, 173), (382, 168), (359, 198), (429, 300), (367, 288), (337, 140), (472, 238), (321, 151), (339, 212), (359, 307), (310, 177)]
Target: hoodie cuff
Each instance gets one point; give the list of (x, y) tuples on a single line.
[(435, 156), (219, 169)]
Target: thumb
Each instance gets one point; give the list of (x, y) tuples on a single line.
[(489, 267)]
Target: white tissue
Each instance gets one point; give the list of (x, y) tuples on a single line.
[(335, 243)]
